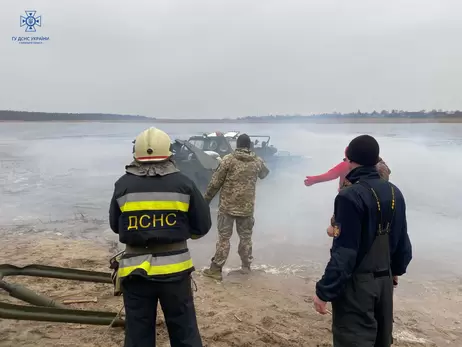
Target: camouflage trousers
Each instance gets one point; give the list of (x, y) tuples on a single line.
[(244, 227)]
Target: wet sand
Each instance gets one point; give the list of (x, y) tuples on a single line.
[(262, 309)]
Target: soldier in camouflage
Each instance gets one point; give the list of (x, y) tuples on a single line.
[(384, 172), (237, 177)]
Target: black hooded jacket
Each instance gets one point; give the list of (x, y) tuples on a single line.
[(356, 216)]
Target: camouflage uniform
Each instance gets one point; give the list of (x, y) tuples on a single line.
[(244, 226), (237, 177), (383, 169), (384, 172)]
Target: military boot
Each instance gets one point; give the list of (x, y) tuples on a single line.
[(245, 269), (213, 272)]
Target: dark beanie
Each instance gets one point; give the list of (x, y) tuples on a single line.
[(363, 150), (243, 141)]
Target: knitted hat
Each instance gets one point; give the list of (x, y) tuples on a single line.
[(363, 150), (243, 141)]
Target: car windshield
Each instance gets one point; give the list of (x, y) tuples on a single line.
[(197, 143)]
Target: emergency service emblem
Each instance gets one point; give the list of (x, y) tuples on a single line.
[(31, 21), (337, 230)]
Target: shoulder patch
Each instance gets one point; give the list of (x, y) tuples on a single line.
[(345, 184), (337, 230)]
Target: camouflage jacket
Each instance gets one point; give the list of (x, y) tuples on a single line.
[(237, 177)]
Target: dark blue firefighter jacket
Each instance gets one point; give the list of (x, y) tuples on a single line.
[(356, 216)]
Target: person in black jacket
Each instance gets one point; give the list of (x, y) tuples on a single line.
[(155, 209), (371, 248)]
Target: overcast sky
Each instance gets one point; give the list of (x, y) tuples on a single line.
[(215, 58)]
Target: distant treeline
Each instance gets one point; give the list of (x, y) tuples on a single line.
[(394, 114), (385, 116), (46, 117)]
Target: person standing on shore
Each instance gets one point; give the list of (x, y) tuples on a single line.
[(370, 249), (236, 176), (340, 171), (155, 209)]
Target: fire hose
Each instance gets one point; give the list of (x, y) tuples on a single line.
[(47, 309)]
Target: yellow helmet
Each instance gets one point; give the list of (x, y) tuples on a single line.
[(152, 145)]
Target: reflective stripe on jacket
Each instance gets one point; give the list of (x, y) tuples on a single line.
[(154, 201), (154, 217), (152, 265), (154, 213), (158, 210)]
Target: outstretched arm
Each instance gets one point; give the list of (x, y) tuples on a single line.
[(332, 174)]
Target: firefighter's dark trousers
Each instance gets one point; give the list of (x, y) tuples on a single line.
[(364, 317), (176, 299)]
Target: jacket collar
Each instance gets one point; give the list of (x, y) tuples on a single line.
[(362, 172), (151, 169), (243, 150)]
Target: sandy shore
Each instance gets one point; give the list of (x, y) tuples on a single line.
[(257, 310)]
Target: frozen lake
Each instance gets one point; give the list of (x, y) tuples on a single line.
[(63, 171)]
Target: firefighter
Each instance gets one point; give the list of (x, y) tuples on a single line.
[(371, 248), (155, 209)]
